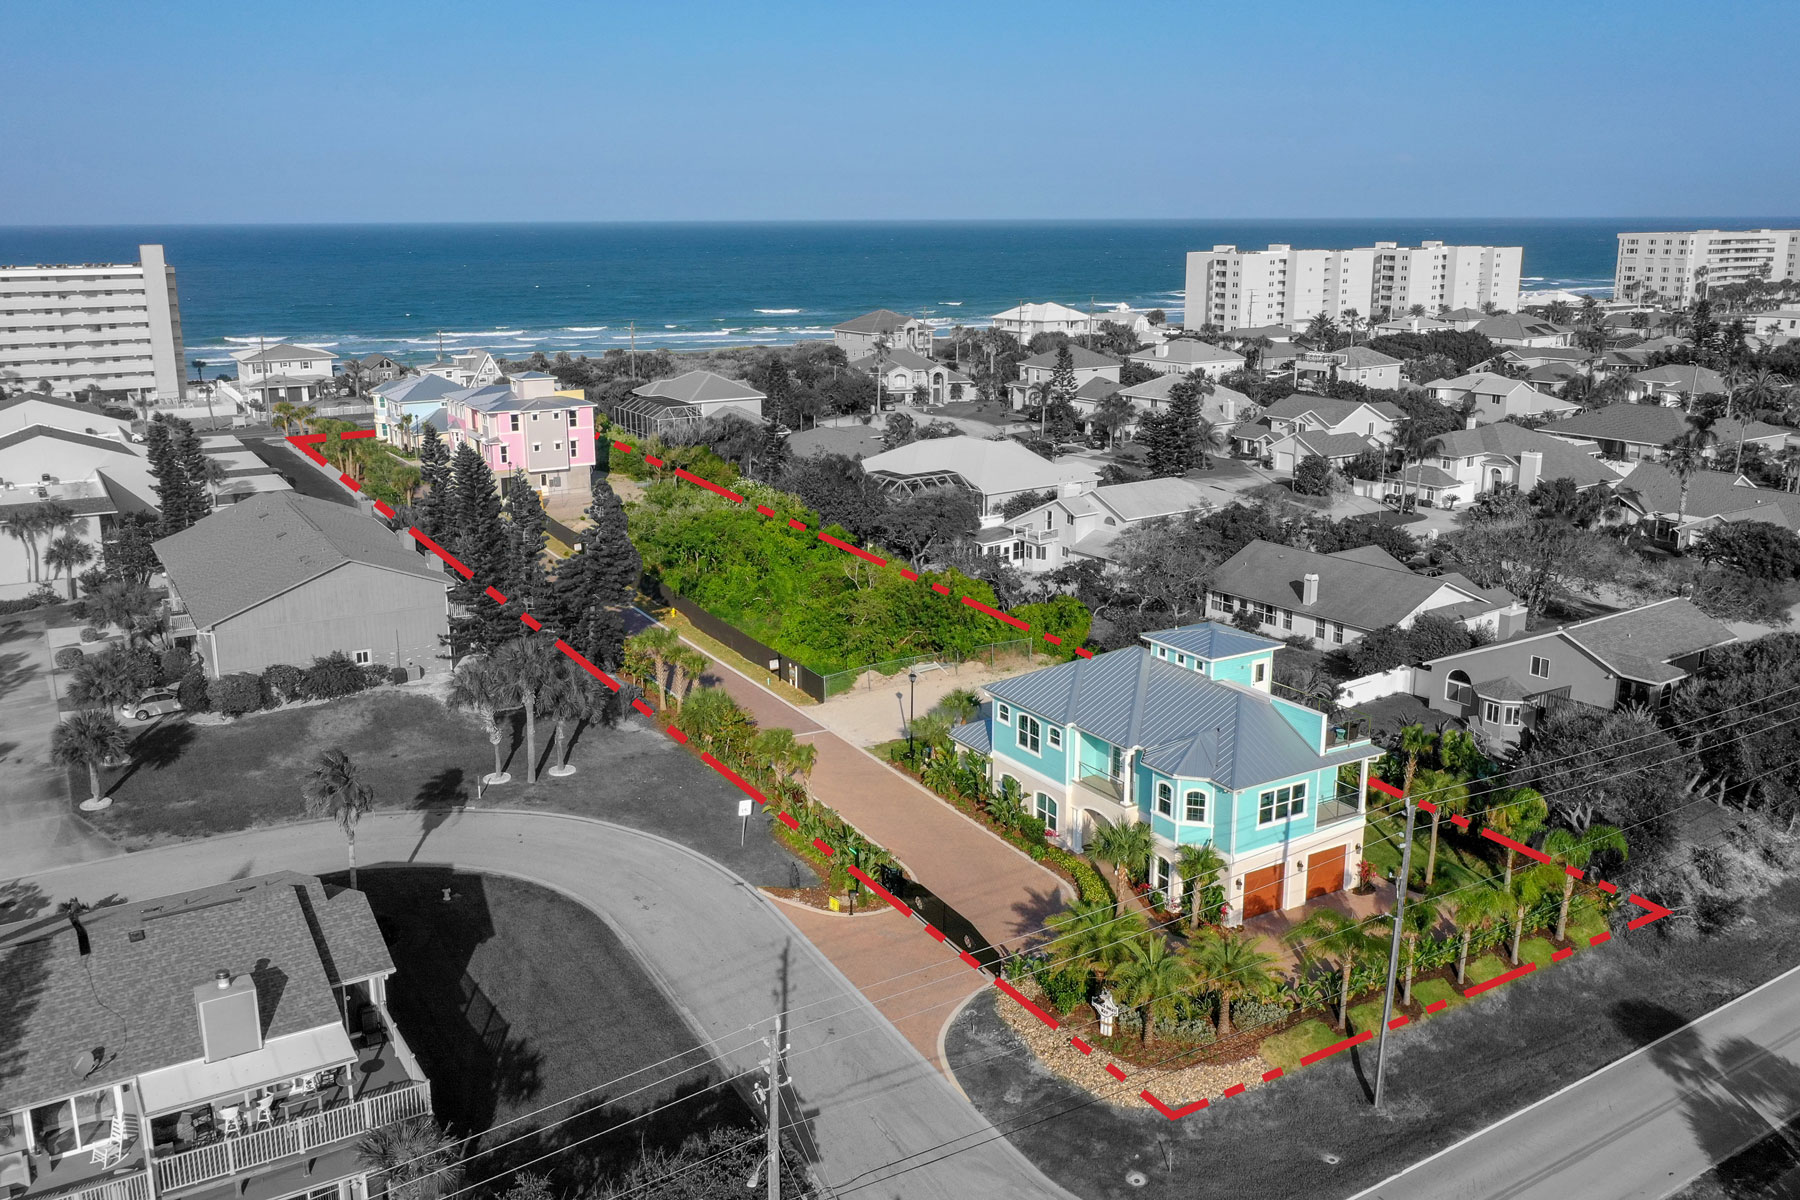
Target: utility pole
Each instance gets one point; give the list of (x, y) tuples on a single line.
[(634, 373), (1387, 1006), (773, 1100)]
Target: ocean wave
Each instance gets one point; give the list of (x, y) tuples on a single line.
[(951, 303), (779, 312), (251, 341), (486, 333), (584, 328)]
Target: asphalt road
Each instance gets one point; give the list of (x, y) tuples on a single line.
[(307, 479), (1641, 1127), (861, 1097)]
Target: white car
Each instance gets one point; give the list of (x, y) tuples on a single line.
[(152, 704)]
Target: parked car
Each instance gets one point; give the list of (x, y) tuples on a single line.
[(153, 703)]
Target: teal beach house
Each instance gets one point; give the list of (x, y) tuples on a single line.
[(1185, 734)]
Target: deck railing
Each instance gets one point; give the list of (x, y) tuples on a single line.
[(1342, 807), (247, 1151), (125, 1187)]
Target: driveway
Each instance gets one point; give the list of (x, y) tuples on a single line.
[(38, 825), (861, 1099), (1645, 1125)]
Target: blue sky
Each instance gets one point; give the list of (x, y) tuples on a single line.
[(391, 110)]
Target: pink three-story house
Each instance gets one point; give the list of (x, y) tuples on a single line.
[(521, 423)]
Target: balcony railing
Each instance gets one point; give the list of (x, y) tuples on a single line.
[(1345, 806), (1102, 784), (125, 1187), (287, 1139)]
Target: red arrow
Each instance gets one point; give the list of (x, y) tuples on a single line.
[(1652, 912)]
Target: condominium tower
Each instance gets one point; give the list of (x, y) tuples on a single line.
[(1237, 289), (1676, 266), (116, 326)]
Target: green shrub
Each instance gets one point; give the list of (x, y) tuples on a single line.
[(1248, 1014), (1066, 990), (24, 604), (1089, 883), (90, 634), (173, 664), (191, 691), (68, 657), (236, 694), (374, 674), (332, 676), (284, 682)]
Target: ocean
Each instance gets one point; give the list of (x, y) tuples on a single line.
[(580, 287)]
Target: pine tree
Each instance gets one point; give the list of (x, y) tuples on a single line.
[(594, 586), (434, 474), (475, 533), (173, 490), (1062, 375), (194, 466), (527, 524), (1175, 442), (778, 387)]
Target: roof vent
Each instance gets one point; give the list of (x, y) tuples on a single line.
[(1309, 588)]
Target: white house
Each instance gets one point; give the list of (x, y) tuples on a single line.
[(1352, 364), (910, 378), (1185, 356), (1337, 449), (995, 471), (283, 372), (1464, 464), (665, 405), (1489, 397), (1036, 373), (1304, 412), (1084, 525), (1026, 321), (468, 369), (1222, 406), (857, 336), (1511, 329)]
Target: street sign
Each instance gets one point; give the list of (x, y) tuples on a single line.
[(746, 807)]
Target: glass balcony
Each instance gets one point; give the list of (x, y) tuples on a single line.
[(1343, 807)]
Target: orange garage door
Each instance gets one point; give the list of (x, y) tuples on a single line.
[(1325, 873), (1262, 890)]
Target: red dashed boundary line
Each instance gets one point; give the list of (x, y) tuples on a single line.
[(1653, 911)]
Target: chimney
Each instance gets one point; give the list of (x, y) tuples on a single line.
[(1531, 468), (222, 980), (1309, 588)]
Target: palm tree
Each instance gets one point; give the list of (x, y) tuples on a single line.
[(881, 345), (1789, 458), (1518, 813), (1577, 849), (568, 699), (284, 415), (688, 665), (414, 1158), (1420, 918), (657, 645), (335, 788), (1414, 741), (1232, 965), (1477, 907), (477, 686), (785, 756), (1150, 979), (67, 553), (1114, 413), (1091, 935), (105, 682), (1524, 890), (1122, 846), (527, 665), (88, 739), (1687, 455), (407, 421), (1448, 795), (1199, 867), (1340, 936)]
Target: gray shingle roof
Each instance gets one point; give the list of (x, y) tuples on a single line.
[(1653, 425), (1653, 488), (1638, 643), (1358, 594), (699, 387), (416, 389), (61, 1002), (1188, 725), (882, 320), (286, 351), (1186, 350), (1561, 460), (1333, 445), (1683, 377), (1210, 640), (1332, 411), (240, 556), (1083, 358)]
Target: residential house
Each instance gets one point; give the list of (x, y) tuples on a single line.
[(379, 368), (285, 372), (857, 337), (854, 440), (1677, 384), (1465, 464), (1550, 376), (1187, 356), (285, 578), (1036, 373), (420, 397), (1086, 524), (994, 471), (1334, 599), (1635, 657), (233, 1042), (1338, 449), (1352, 364), (1487, 397), (1026, 321), (1511, 329), (468, 369), (1463, 319), (916, 379), (1183, 734), (1222, 406), (1527, 357), (1775, 327), (526, 424), (665, 406), (1652, 495), (1407, 323), (1304, 412), (1634, 432)]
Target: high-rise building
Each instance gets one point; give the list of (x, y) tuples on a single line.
[(116, 326), (1675, 267), (1236, 289)]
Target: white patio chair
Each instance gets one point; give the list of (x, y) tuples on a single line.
[(231, 1119)]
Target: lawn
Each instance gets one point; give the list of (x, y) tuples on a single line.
[(1427, 992), (1381, 846), (191, 781), (513, 997), (1287, 1048)]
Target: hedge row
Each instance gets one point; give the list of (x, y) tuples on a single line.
[(244, 692)]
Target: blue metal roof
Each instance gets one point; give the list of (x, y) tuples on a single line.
[(974, 736), (1210, 640), (1188, 725)]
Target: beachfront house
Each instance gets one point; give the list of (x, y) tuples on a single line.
[(403, 407), (525, 424), (228, 1043), (859, 335), (1026, 321), (993, 471), (1183, 734), (1086, 524), (665, 407), (468, 369), (282, 373), (1332, 600), (1634, 657)]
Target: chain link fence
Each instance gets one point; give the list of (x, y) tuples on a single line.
[(870, 674)]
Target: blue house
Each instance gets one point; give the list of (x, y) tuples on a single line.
[(418, 396), (1184, 733)]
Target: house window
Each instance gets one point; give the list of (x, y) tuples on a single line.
[(1452, 689), (1278, 804), (1320, 622), (1055, 738), (515, 422), (574, 416), (1490, 712), (1540, 667), (1181, 660), (1259, 672), (503, 454), (1046, 811), (556, 445), (536, 447), (1510, 715), (543, 481), (1165, 799), (1029, 733), (1193, 806), (1337, 634), (1287, 619), (68, 1125), (1163, 876)]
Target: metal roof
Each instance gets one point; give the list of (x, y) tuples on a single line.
[(1210, 640)]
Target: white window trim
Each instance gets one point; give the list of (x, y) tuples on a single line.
[(1537, 674), (1047, 810), (1205, 817), (1003, 712), (1291, 813), (1165, 792), (1054, 736), (1023, 734), (362, 658)]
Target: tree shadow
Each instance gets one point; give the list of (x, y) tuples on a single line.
[(1031, 912), (16, 671), (439, 798), (512, 734), (157, 747)]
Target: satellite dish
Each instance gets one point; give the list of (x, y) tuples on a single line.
[(85, 1063)]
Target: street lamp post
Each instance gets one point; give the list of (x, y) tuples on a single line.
[(912, 690), (1387, 1006)]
